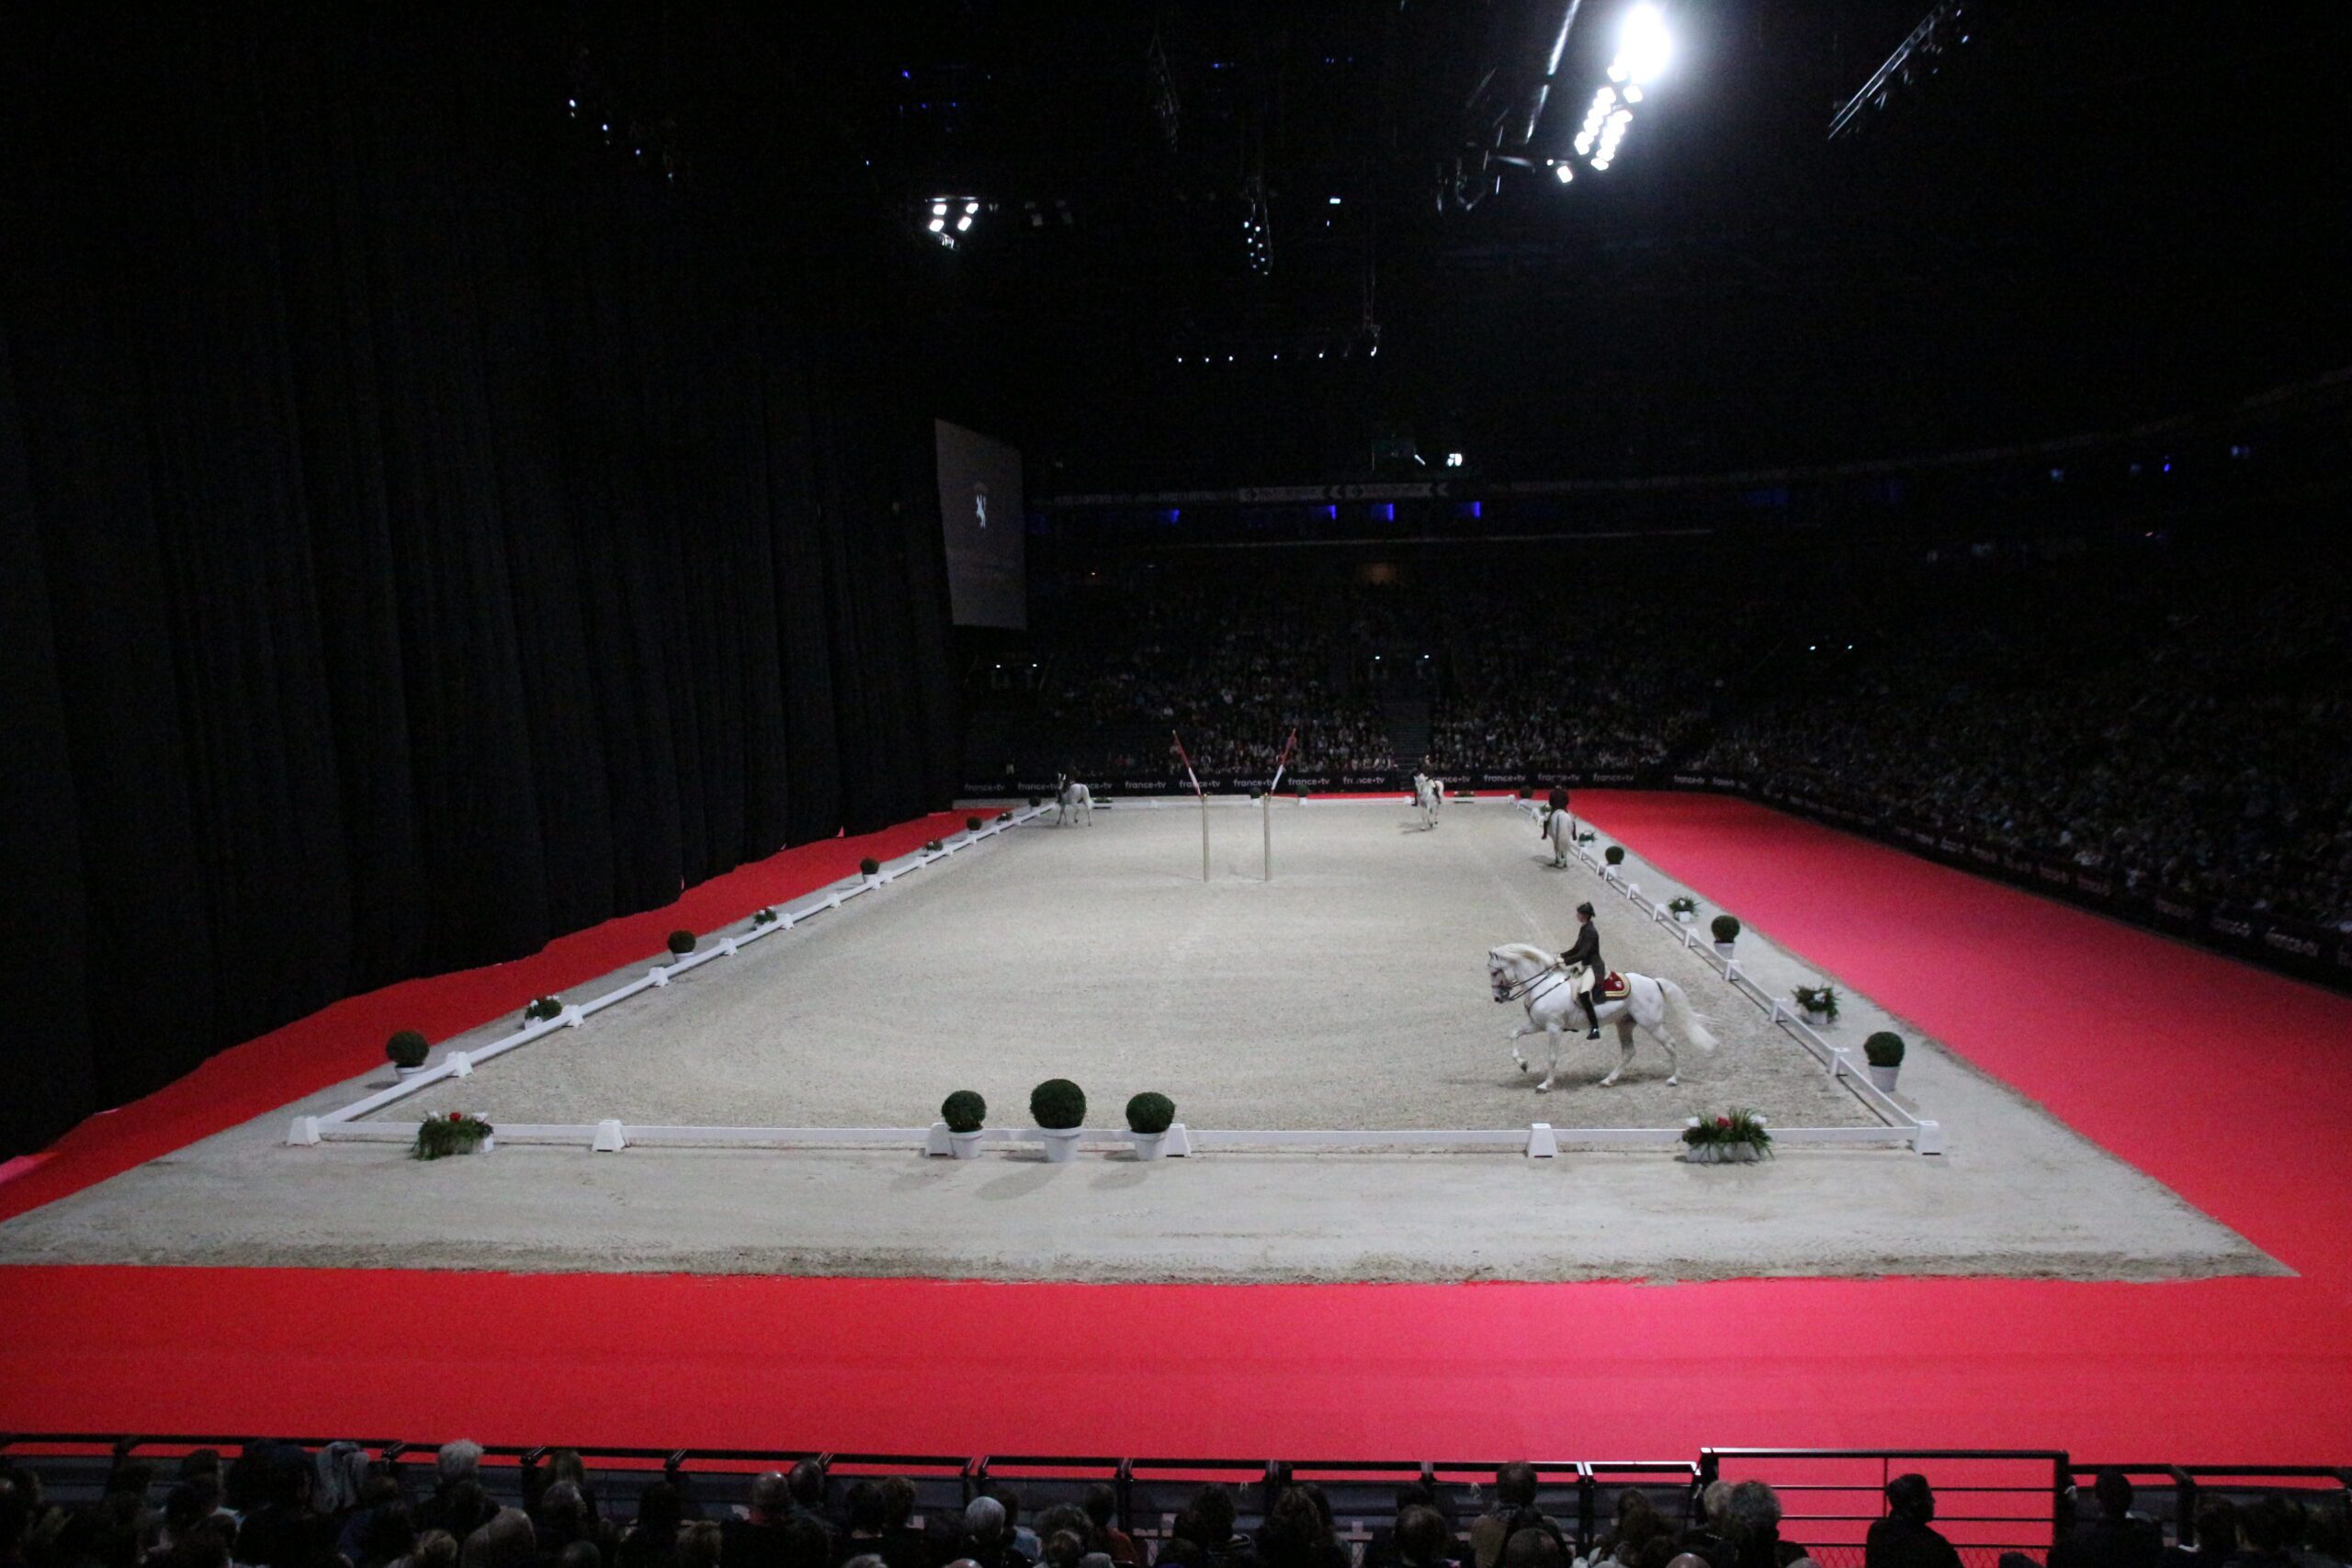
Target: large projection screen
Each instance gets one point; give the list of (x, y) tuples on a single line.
[(979, 508)]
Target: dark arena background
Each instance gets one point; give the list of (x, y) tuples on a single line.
[(798, 787)]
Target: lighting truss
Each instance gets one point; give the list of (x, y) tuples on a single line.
[(1947, 26), (947, 218)]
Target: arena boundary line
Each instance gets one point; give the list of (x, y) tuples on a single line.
[(1924, 1134), (1539, 1139), (340, 1125)]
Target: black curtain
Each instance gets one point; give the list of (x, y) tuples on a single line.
[(425, 529)]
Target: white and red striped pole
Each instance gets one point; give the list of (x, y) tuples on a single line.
[(1266, 806), (1204, 803)]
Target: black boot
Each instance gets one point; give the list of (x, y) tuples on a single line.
[(1592, 1015)]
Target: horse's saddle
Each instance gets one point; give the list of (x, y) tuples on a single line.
[(1613, 987)]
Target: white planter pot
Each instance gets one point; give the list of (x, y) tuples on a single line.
[(1148, 1146), (1061, 1143), (1883, 1077), (407, 1072), (1684, 917), (1722, 1153), (1817, 1017), (678, 958), (966, 1145), (1722, 949)]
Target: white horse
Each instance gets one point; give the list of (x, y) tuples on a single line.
[(1076, 802), (1429, 797), (1561, 829), (1530, 975)]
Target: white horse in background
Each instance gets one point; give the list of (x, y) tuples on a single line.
[(1561, 829), (1530, 975), (1077, 802), (1429, 797)]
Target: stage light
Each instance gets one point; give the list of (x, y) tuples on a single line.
[(963, 223), (939, 209), (1453, 459), (971, 209), (937, 224), (1644, 46), (1633, 95), (1562, 172), (1335, 201)]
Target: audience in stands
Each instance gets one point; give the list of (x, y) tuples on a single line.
[(256, 1511), (2197, 749)]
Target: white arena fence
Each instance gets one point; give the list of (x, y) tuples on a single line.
[(1900, 1127)]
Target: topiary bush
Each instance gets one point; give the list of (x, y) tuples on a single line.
[(1036, 802), (682, 943), (1883, 1049), (869, 866), (1614, 855), (1558, 799), (963, 1110), (1725, 927), (971, 823), (1057, 1103), (406, 1049), (1150, 1113)]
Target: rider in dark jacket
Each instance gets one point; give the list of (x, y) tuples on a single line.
[(1586, 952)]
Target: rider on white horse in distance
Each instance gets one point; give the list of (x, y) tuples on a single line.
[(1075, 800)]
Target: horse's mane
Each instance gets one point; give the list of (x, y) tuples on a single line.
[(1524, 950)]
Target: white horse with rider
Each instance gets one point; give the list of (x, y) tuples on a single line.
[(1429, 797), (1560, 829), (1077, 802), (1520, 973)]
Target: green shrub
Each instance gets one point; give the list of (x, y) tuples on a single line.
[(542, 1007), (1150, 1113), (933, 847), (1035, 802), (971, 823), (1822, 1000), (1725, 927), (406, 1049), (1004, 815), (1057, 1103), (764, 917), (682, 943), (1682, 905), (869, 866), (1735, 1126), (963, 1110), (1301, 792), (1614, 855), (1883, 1049), (456, 1133)]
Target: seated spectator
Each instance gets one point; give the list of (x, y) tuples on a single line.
[(580, 1554), (864, 1511), (386, 1535), (1298, 1534), (563, 1518), (507, 1541), (1534, 1547), (1106, 1537), (701, 1544), (2266, 1534), (758, 1540), (988, 1536), (1423, 1539), (2116, 1537), (1514, 1510), (2217, 1536), (1705, 1536), (459, 1504), (652, 1540), (433, 1549), (1207, 1522), (903, 1545), (1752, 1527), (2325, 1540), (1904, 1539), (284, 1530)]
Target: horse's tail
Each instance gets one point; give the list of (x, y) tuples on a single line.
[(1686, 1021)]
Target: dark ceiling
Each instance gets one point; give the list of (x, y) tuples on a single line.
[(2086, 215)]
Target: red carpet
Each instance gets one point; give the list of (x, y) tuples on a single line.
[(2131, 1040)]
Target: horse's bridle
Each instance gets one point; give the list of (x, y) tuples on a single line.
[(1525, 990)]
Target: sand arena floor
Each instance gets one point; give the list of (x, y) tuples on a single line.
[(1349, 992)]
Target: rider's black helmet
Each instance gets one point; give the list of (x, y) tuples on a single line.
[(1585, 909)]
